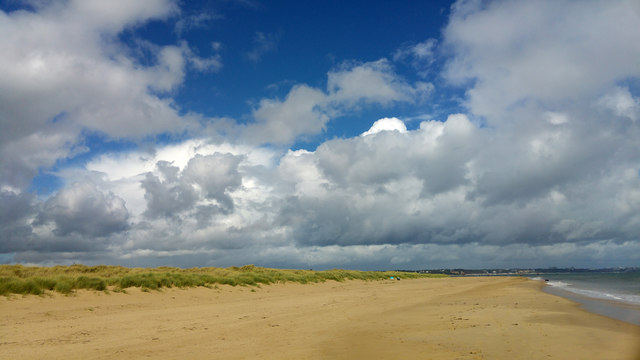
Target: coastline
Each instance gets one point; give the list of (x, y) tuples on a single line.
[(618, 310), (467, 318)]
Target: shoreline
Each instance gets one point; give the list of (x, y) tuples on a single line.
[(613, 309), (466, 318)]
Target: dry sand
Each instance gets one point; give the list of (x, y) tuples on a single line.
[(454, 318)]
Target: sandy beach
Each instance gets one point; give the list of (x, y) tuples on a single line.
[(453, 318)]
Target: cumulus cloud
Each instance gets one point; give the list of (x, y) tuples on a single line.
[(205, 181), (85, 210), (16, 213), (536, 82), (373, 82), (22, 157), (168, 197), (216, 175), (306, 110), (65, 72), (541, 168), (280, 122), (386, 124), (393, 197), (388, 187), (48, 51), (548, 53)]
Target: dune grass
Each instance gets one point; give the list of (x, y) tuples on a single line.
[(19, 279)]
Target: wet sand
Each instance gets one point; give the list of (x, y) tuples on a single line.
[(453, 318), (614, 309)]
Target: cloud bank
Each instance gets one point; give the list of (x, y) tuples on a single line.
[(541, 169)]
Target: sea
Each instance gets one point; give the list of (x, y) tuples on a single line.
[(616, 295)]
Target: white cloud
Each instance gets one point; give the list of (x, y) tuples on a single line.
[(557, 118), (437, 188), (64, 71), (123, 172), (280, 122), (386, 124), (23, 157), (113, 16), (298, 168), (216, 175), (540, 52), (306, 111), (372, 82), (622, 103), (550, 177)]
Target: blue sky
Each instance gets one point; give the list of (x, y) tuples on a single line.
[(268, 48), (368, 135)]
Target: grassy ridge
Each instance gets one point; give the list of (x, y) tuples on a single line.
[(19, 279)]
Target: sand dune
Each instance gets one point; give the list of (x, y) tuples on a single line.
[(454, 318)]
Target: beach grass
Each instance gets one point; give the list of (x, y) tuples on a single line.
[(35, 280)]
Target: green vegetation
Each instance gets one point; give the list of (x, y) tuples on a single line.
[(19, 279)]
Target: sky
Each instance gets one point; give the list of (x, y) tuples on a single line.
[(365, 135)]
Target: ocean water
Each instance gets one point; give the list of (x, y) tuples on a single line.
[(616, 295)]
